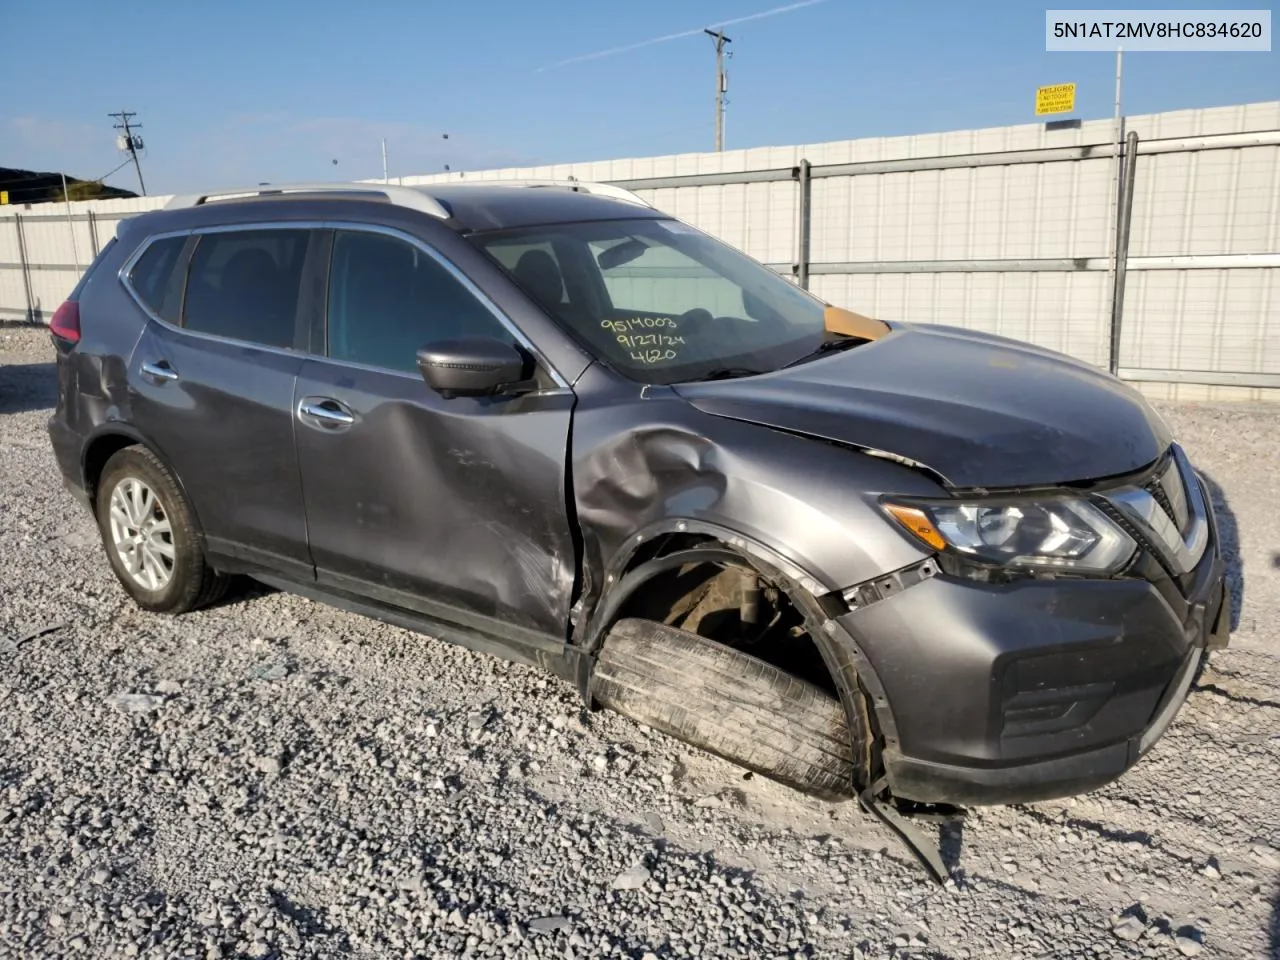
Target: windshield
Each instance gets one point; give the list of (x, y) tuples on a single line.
[(660, 301)]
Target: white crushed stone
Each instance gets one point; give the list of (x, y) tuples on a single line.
[(307, 783)]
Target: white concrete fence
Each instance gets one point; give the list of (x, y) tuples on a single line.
[(1011, 230)]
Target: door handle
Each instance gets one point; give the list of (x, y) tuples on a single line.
[(159, 370), (325, 412)]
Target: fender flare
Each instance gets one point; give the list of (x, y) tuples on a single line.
[(726, 535), (112, 428), (120, 428)]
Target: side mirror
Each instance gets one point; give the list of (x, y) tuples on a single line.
[(472, 367)]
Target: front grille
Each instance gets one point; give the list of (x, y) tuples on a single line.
[(1167, 512), (1169, 490), (1156, 490)]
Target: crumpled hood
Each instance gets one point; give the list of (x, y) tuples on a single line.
[(979, 410)]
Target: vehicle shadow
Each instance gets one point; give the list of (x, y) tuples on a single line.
[(25, 387), (1229, 537), (242, 589), (951, 846)]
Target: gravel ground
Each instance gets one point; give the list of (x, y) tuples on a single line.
[(277, 778)]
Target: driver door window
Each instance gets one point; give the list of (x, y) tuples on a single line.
[(388, 298), (664, 281)]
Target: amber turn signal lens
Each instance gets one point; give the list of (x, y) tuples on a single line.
[(918, 523)]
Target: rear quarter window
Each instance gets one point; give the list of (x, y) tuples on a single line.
[(157, 280)]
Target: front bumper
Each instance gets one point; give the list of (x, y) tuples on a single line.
[(1035, 689)]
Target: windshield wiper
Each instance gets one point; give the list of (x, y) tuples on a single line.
[(827, 346), (728, 373)]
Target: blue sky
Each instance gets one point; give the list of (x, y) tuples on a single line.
[(241, 95)]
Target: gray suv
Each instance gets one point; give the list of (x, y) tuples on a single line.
[(553, 423)]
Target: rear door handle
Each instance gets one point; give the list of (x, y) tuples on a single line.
[(325, 412), (159, 370)]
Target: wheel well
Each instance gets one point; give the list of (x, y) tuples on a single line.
[(732, 604), (101, 450)]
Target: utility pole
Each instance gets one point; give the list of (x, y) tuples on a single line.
[(385, 178), (722, 84), (1113, 208), (129, 142)]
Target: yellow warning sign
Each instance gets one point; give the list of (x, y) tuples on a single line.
[(1058, 98), (4, 196)]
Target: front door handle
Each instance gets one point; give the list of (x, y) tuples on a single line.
[(325, 412), (159, 370)]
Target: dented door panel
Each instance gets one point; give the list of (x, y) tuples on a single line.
[(460, 501)]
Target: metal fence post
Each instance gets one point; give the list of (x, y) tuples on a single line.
[(25, 267), (1124, 220), (806, 209), (93, 234)]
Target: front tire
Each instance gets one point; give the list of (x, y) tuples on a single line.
[(728, 703), (151, 536)]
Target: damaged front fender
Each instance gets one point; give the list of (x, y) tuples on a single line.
[(647, 463)]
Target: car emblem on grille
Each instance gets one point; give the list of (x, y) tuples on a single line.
[(1169, 512)]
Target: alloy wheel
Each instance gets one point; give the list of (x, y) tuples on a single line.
[(141, 534)]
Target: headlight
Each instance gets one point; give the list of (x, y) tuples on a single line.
[(1055, 533)]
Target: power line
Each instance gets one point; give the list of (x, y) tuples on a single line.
[(108, 173), (130, 142)]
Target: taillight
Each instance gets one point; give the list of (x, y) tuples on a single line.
[(65, 324)]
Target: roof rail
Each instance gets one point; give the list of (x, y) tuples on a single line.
[(583, 186), (410, 197)]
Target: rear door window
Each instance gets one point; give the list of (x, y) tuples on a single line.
[(156, 278), (244, 285)]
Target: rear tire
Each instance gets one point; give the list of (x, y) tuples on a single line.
[(151, 536), (728, 703)]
